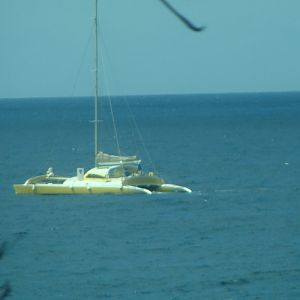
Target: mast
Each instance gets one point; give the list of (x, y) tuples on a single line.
[(96, 83)]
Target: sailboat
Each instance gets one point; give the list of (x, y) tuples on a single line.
[(112, 174)]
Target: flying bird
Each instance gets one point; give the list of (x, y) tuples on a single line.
[(187, 22)]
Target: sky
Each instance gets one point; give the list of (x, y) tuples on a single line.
[(46, 47)]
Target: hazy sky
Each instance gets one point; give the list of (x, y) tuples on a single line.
[(46, 47)]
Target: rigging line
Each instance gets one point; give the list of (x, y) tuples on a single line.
[(50, 158), (133, 121), (132, 118), (186, 21), (96, 104), (81, 61), (75, 84), (110, 103), (140, 136), (133, 126), (114, 125)]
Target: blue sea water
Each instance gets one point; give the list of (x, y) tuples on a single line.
[(237, 236)]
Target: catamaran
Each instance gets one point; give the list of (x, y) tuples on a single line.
[(112, 174)]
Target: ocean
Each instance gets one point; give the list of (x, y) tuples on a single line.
[(237, 236)]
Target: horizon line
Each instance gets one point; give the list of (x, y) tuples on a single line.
[(150, 95)]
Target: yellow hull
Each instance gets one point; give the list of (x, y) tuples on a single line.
[(136, 184), (51, 189)]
